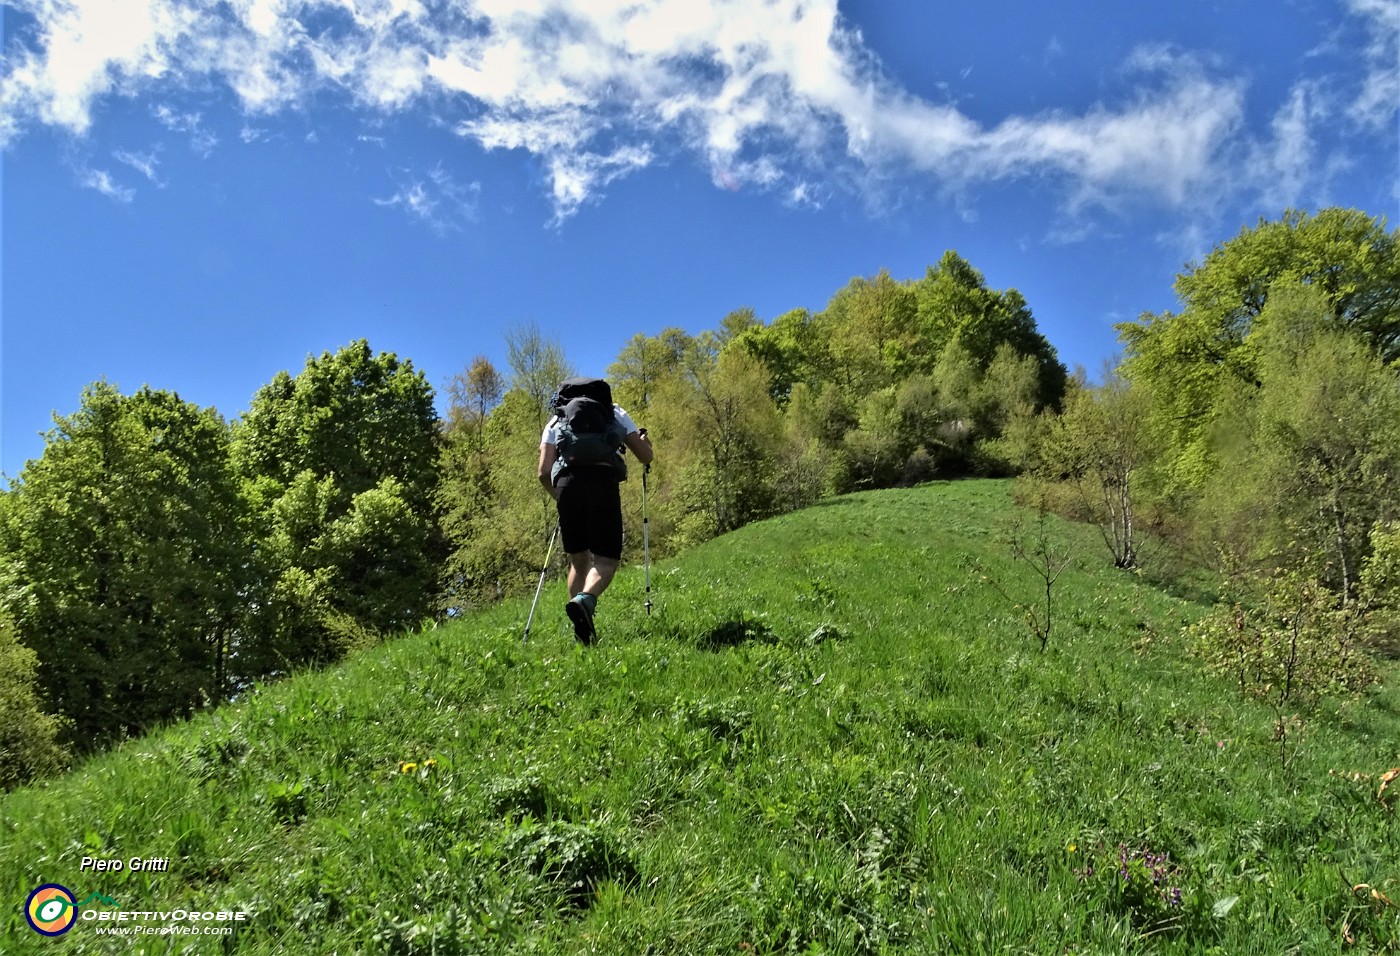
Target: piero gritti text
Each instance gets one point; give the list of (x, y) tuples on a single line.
[(136, 864)]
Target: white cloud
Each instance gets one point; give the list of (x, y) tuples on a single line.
[(780, 96), (1379, 99), (437, 200), (143, 163), (89, 50), (202, 139), (805, 195), (576, 177), (413, 198), (1286, 164), (101, 180)]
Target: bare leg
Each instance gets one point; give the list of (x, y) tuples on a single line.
[(599, 576), (580, 568)]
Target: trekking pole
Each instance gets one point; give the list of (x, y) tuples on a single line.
[(539, 587), (646, 540)]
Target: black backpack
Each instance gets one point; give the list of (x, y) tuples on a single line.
[(589, 434)]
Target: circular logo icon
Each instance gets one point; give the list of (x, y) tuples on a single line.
[(51, 910)]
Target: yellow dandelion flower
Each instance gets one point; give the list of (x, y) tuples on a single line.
[(407, 767)]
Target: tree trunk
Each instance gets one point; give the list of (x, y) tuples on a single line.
[(1339, 528)]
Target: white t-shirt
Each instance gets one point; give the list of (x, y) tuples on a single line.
[(551, 431)]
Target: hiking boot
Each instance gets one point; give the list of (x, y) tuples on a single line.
[(582, 617)]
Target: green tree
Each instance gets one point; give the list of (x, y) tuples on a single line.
[(870, 325), (1380, 586), (736, 323), (537, 365), (29, 747), (125, 561), (876, 448), (357, 415), (957, 380), (811, 468), (1102, 443), (341, 464), (1010, 386), (1343, 254), (497, 519), (722, 434), (953, 301), (765, 343), (1197, 360), (1191, 371), (642, 365), (912, 377), (1309, 458), (472, 394)]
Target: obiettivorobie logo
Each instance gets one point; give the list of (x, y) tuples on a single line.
[(52, 909)]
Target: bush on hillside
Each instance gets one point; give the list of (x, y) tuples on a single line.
[(29, 746)]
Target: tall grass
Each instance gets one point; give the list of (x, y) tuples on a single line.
[(830, 736)]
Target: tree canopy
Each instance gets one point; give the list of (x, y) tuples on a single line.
[(1190, 359), (340, 465), (124, 561)]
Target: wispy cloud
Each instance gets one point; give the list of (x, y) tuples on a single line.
[(437, 200), (202, 139), (1165, 143), (101, 180), (777, 96), (1378, 100), (143, 163), (806, 195), (1291, 162)]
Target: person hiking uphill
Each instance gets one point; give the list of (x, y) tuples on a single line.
[(581, 465)]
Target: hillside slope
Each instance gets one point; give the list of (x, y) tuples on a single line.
[(830, 736)]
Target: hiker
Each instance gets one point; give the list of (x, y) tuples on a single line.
[(581, 465)]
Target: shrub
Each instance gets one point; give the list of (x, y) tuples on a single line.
[(1288, 640), (28, 736)]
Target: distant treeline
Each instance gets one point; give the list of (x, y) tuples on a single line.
[(158, 558)]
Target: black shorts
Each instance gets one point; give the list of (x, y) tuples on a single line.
[(590, 512)]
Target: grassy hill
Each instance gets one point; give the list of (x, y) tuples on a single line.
[(830, 736)]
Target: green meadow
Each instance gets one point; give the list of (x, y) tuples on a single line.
[(835, 733)]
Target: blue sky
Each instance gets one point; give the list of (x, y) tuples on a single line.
[(197, 195)]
